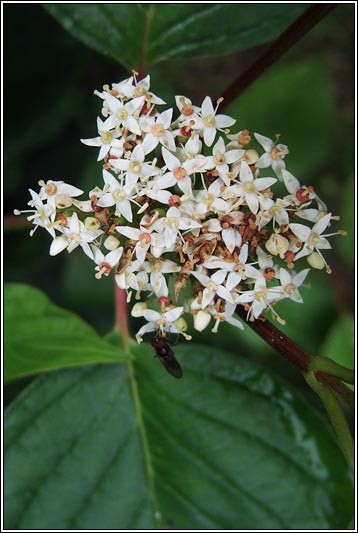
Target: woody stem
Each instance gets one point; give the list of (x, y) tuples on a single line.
[(121, 312), (297, 356)]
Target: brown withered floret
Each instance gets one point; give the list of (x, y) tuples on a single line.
[(126, 259), (211, 176), (205, 250)]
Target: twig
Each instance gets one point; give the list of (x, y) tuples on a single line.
[(296, 355), (284, 42), (279, 341), (121, 312)]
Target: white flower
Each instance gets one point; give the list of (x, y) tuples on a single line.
[(210, 122), (210, 199), (106, 139), (158, 268), (142, 89), (41, 215), (237, 270), (229, 233), (274, 155), (75, 234), (118, 195), (105, 263), (124, 88), (158, 132), (225, 316), (162, 322), (260, 296), (135, 167), (58, 193), (144, 237), (179, 175), (311, 237), (273, 210), (250, 188), (172, 223), (222, 158), (290, 281), (300, 195), (122, 114), (126, 278), (187, 110), (213, 287)]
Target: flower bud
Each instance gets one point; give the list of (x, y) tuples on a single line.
[(251, 157), (92, 223), (181, 324), (138, 309), (111, 243), (201, 320), (277, 245), (63, 200), (315, 261)]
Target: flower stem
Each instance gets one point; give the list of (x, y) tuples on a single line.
[(336, 416), (121, 312), (297, 356), (329, 366), (284, 42), (340, 389), (279, 341)]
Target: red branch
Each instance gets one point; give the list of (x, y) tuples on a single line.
[(279, 341), (284, 42), (121, 312), (296, 355)]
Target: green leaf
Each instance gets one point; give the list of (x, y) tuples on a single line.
[(128, 446), (160, 31), (41, 336)]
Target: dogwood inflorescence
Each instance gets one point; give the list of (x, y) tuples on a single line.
[(191, 218)]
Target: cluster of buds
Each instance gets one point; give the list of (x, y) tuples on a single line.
[(188, 213)]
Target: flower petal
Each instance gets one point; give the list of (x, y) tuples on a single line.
[(245, 173), (209, 135), (264, 183), (252, 202), (301, 231), (265, 142), (58, 245)]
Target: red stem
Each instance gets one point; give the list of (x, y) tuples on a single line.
[(121, 312), (279, 341), (296, 355), (284, 42), (340, 389)]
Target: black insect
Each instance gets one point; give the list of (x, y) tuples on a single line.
[(166, 356)]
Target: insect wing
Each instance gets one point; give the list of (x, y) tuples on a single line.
[(166, 356), (171, 365)]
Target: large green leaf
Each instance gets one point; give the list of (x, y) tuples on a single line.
[(41, 336), (129, 447), (160, 31)]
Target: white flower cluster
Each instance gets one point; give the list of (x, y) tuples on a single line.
[(183, 199)]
